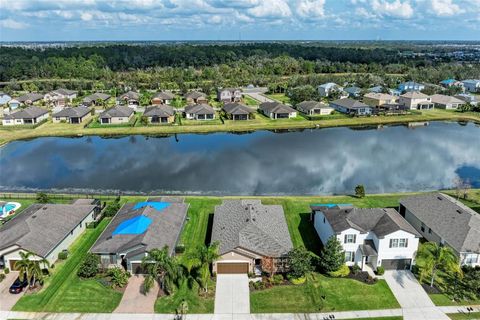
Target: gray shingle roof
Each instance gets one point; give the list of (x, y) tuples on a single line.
[(132, 95), (275, 107), (250, 225), (306, 106), (118, 111), (443, 99), (79, 111), (41, 227), (199, 109), (64, 92), (159, 111), (353, 90), (96, 96), (236, 108), (31, 112), (378, 220), (456, 223), (350, 103), (163, 231), (195, 95), (164, 95), (30, 97)]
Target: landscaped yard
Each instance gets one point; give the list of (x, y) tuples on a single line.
[(249, 101), (65, 292), (464, 316), (381, 318), (443, 300), (281, 97), (196, 304), (339, 295)]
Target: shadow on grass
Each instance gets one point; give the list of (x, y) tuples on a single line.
[(208, 236), (309, 234)]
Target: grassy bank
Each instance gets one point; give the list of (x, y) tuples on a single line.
[(65, 130)]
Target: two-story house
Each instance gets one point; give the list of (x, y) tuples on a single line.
[(415, 100), (326, 89), (370, 237), (229, 95)]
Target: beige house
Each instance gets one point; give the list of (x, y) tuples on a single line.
[(253, 237), (196, 97), (313, 108), (71, 115), (446, 102), (159, 114), (415, 100), (378, 99), (29, 115), (116, 115)]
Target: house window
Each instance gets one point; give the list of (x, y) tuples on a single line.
[(350, 238), (471, 259), (398, 243), (323, 219), (422, 227), (429, 230), (349, 256)]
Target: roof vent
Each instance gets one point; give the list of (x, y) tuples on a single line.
[(459, 211), (33, 217), (109, 238), (246, 220), (45, 208), (439, 198)]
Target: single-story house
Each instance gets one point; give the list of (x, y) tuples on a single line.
[(160, 114), (411, 86), (377, 99), (312, 108), (199, 112), (416, 100), (370, 237), (253, 237), (277, 110), (351, 106), (392, 108), (353, 92), (442, 219), (95, 99), (229, 94), (381, 89), (472, 85), (116, 115), (30, 98), (61, 96), (71, 115), (131, 99), (138, 228), (446, 102), (447, 83), (326, 89), (44, 230), (467, 97), (237, 111), (28, 115), (196, 97), (4, 98), (163, 97)]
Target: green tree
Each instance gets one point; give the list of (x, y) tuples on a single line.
[(332, 257), (36, 272), (43, 197), (300, 262), (24, 265), (118, 276), (436, 258), (302, 93), (360, 191), (207, 255), (160, 267), (89, 267)]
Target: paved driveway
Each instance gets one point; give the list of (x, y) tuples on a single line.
[(8, 300), (232, 295), (259, 97), (415, 302), (134, 301)]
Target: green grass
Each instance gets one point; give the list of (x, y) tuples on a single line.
[(196, 304), (65, 292), (340, 295), (249, 101), (379, 318), (279, 97), (464, 316), (440, 299), (195, 229)]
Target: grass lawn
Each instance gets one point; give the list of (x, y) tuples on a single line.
[(380, 318), (65, 292), (249, 101), (196, 304), (279, 97), (340, 295), (443, 300), (464, 316)]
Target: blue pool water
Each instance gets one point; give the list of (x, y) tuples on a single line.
[(331, 205), (155, 204), (137, 225), (7, 207)]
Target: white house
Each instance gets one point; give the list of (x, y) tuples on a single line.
[(29, 115), (370, 237), (60, 97), (472, 85), (410, 86), (415, 100), (446, 102), (327, 89), (229, 95), (351, 106)]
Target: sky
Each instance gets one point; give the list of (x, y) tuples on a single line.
[(77, 20)]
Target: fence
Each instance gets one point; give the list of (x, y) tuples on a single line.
[(57, 196)]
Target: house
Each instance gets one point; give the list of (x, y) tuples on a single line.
[(277, 110), (196, 97), (350, 106), (44, 230), (4, 98), (60, 97), (353, 92), (138, 228), (199, 112), (467, 97), (472, 85), (381, 89), (237, 111), (253, 237), (71, 115), (163, 97), (312, 108), (229, 94), (442, 219), (116, 115), (374, 99), (326, 89), (446, 102), (411, 86), (29, 115), (159, 114), (96, 99), (13, 104), (370, 237), (130, 99), (415, 100), (30, 98), (451, 83)]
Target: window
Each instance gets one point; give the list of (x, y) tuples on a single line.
[(349, 256), (429, 230), (323, 219), (350, 238), (422, 227), (471, 259), (398, 243)]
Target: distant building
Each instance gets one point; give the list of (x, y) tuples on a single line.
[(95, 99), (164, 97), (411, 86), (350, 106), (130, 99), (472, 85), (467, 98), (446, 102), (4, 98), (30, 98), (353, 92), (451, 83), (196, 97), (327, 89), (229, 95), (60, 97), (416, 101)]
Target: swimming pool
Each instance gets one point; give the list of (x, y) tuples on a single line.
[(8, 208), (332, 205)]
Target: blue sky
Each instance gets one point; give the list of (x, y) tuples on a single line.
[(50, 20)]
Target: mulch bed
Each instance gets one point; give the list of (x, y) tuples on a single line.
[(363, 277)]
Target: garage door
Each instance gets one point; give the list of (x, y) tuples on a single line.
[(12, 265), (396, 264), (137, 268), (240, 267)]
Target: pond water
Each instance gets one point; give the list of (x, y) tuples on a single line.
[(320, 161)]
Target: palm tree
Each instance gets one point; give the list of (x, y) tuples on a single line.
[(35, 271), (206, 256), (160, 267), (435, 258), (24, 265)]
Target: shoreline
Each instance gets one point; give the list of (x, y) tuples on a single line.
[(68, 130)]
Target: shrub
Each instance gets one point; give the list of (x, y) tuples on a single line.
[(360, 191), (118, 276), (180, 248), (277, 279), (300, 262), (340, 273), (43, 197), (6, 270), (356, 268), (62, 255), (332, 256), (380, 270), (89, 267), (298, 281), (112, 208)]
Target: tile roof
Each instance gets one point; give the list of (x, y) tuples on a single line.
[(118, 111), (79, 111), (414, 95), (379, 96), (443, 99), (131, 95), (237, 108), (96, 96), (31, 112), (195, 95), (63, 92)]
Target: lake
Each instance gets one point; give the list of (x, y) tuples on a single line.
[(318, 161)]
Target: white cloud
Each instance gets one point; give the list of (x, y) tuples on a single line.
[(12, 24), (311, 8), (271, 9), (445, 8), (397, 8)]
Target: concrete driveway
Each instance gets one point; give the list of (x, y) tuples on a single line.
[(232, 295), (8, 300), (259, 97), (134, 301), (415, 302)]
